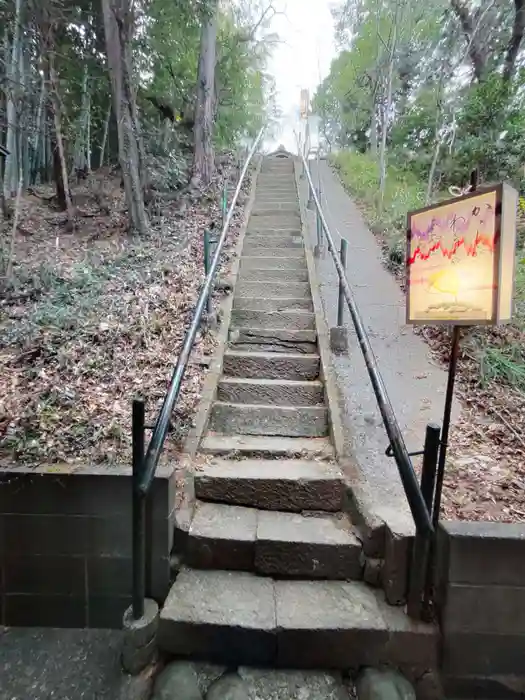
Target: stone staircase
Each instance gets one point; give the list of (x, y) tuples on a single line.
[(272, 564)]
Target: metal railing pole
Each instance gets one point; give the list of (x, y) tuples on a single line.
[(138, 511), (419, 570), (207, 256), (319, 225), (341, 297)]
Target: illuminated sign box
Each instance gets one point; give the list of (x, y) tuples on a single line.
[(461, 258)]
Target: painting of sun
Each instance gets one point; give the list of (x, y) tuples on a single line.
[(453, 259)]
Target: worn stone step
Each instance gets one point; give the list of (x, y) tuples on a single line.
[(270, 365), (284, 289), (271, 447), (272, 242), (276, 346), (271, 219), (267, 251), (274, 304), (263, 276), (266, 262), (236, 618), (283, 336), (274, 392), (293, 320), (272, 543), (275, 233), (272, 484), (256, 419), (263, 208)]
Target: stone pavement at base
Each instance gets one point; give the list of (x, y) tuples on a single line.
[(62, 664), (415, 384)]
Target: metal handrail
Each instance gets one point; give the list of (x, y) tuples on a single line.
[(162, 424), (145, 464), (416, 502)]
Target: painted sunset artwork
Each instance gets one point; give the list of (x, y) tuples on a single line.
[(452, 261)]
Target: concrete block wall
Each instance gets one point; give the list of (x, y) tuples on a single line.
[(481, 595), (65, 545)]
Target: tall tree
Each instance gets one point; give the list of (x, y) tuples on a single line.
[(119, 25), (203, 158)]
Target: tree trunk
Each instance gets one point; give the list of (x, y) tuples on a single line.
[(386, 115), (118, 24), (203, 157), (59, 152), (104, 138), (11, 166)]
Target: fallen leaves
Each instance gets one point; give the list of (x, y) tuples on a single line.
[(96, 322)]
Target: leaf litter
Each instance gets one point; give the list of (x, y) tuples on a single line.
[(97, 317)]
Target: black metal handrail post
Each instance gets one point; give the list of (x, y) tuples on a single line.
[(419, 571), (417, 505), (138, 511), (340, 295)]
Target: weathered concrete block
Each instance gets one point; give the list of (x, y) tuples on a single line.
[(339, 339), (291, 320), (265, 262), (472, 545), (372, 571), (222, 537), (270, 392), (487, 609), (271, 365), (223, 616), (281, 289), (398, 550), (286, 421), (275, 304), (483, 655), (297, 545), (283, 485), (257, 446), (279, 276)]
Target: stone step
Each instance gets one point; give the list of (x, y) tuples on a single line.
[(274, 233), (236, 618), (278, 208), (272, 242), (274, 392), (273, 543), (270, 365), (271, 447), (276, 346), (274, 304), (279, 275), (256, 419), (272, 484), (275, 219), (265, 262), (280, 198), (293, 320), (277, 289), (267, 251), (284, 336)]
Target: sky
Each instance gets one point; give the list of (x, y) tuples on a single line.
[(302, 58)]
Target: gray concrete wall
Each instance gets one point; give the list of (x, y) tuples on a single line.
[(481, 594), (65, 545)]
